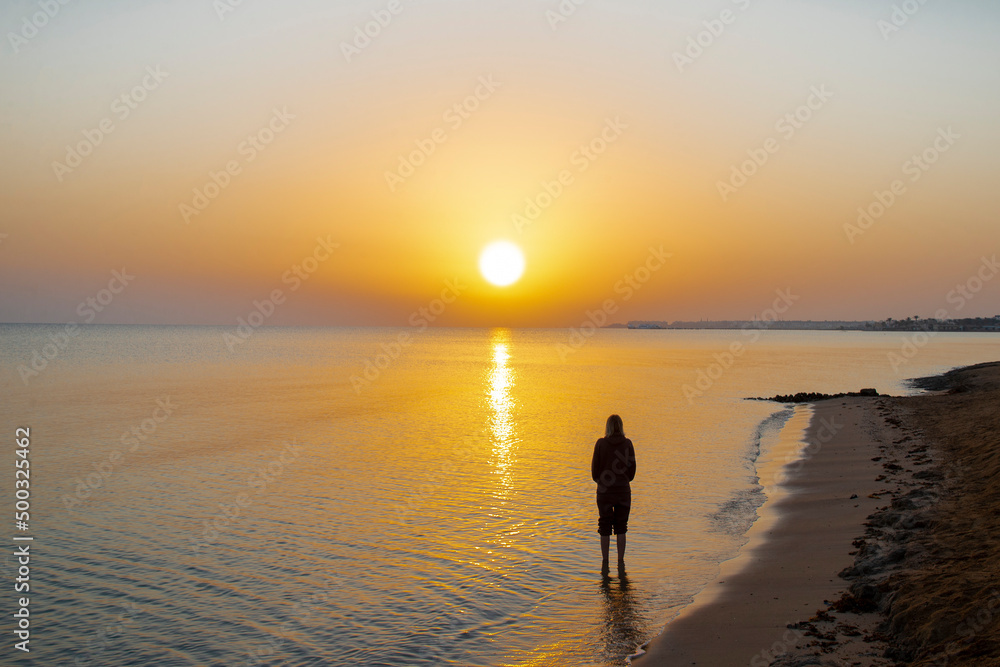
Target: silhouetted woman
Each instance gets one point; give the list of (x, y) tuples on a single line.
[(613, 467)]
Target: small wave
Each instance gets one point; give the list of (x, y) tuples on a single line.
[(735, 515)]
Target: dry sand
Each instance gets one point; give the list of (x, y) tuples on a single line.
[(905, 572)]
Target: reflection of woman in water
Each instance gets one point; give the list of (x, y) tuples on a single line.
[(613, 467), (623, 622)]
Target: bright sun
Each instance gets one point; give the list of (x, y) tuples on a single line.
[(501, 263)]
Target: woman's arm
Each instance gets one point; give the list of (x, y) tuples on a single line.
[(631, 461), (594, 471)]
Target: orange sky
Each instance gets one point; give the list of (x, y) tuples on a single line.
[(184, 91)]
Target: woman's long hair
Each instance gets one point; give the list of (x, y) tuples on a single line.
[(614, 427)]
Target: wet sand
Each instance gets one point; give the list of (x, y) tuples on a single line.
[(882, 549)]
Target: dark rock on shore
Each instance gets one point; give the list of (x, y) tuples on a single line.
[(812, 396), (957, 381)]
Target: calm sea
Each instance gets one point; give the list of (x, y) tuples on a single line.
[(202, 503)]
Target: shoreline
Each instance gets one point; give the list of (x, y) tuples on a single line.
[(835, 569)]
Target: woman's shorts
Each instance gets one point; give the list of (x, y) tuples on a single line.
[(613, 510)]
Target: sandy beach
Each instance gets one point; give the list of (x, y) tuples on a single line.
[(881, 547)]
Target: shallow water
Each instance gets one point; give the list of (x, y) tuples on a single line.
[(439, 512)]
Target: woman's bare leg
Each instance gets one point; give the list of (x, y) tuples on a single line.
[(605, 548), (621, 548)]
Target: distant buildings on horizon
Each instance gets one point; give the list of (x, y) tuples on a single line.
[(889, 324)]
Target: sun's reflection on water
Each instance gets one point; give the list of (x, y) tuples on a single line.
[(500, 400)]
